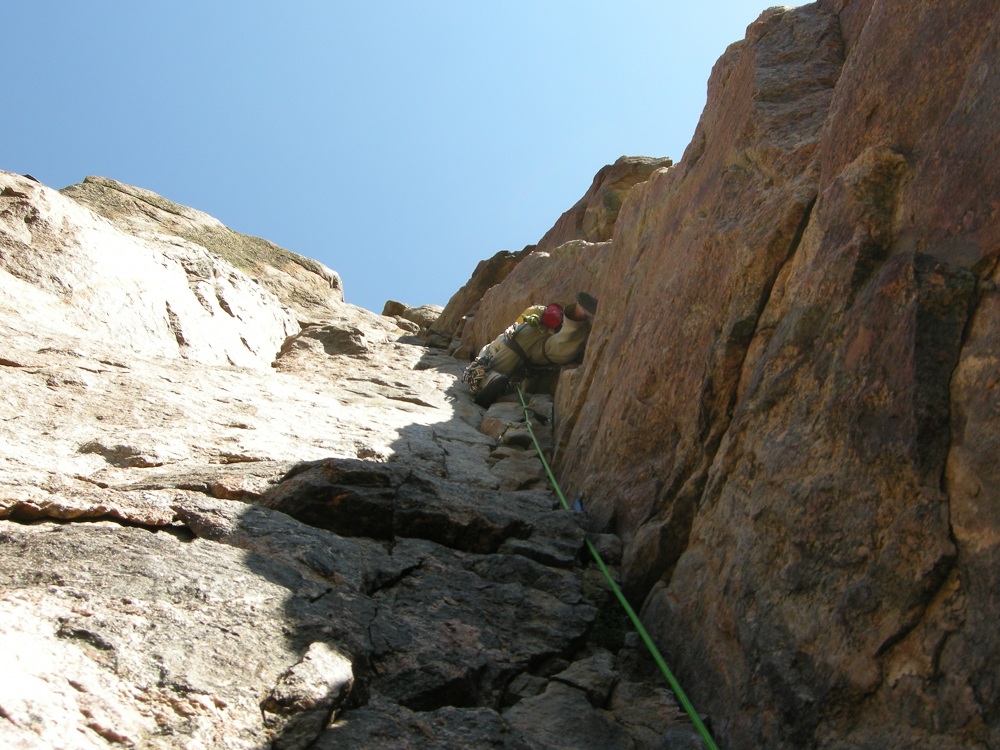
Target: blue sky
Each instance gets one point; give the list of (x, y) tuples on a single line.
[(397, 142)]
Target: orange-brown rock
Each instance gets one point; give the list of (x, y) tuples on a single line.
[(465, 301), (696, 254), (540, 278), (788, 408), (593, 217), (789, 405), (590, 220)]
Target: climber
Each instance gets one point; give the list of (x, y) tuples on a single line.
[(542, 337)]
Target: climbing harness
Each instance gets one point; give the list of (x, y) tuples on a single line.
[(511, 343), (476, 373), (675, 686)]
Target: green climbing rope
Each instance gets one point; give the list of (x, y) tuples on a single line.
[(675, 686)]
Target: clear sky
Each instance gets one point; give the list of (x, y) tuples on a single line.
[(397, 142)]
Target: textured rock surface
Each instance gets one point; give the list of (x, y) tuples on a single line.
[(706, 240), (589, 223), (787, 417), (854, 397), (788, 406), (540, 278), (465, 302), (306, 286), (155, 295), (593, 217), (318, 548)]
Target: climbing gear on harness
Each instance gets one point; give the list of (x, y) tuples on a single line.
[(474, 374), (640, 628), (485, 385)]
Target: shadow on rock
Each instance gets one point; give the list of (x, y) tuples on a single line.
[(469, 586)]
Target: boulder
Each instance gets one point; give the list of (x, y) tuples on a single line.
[(393, 308), (424, 315)]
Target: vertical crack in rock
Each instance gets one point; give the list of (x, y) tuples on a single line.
[(667, 525), (174, 323), (223, 302)]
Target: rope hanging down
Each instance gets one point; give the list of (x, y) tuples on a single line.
[(674, 685)]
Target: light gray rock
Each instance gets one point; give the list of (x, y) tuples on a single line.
[(406, 325), (424, 315), (311, 290), (561, 717), (133, 632), (468, 463), (150, 295), (311, 544), (301, 703)]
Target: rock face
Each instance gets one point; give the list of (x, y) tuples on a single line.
[(593, 217), (157, 295), (465, 302), (255, 535), (307, 287), (698, 252), (788, 406), (474, 317), (541, 277), (785, 428)]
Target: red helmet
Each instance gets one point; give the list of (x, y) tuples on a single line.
[(552, 317)]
